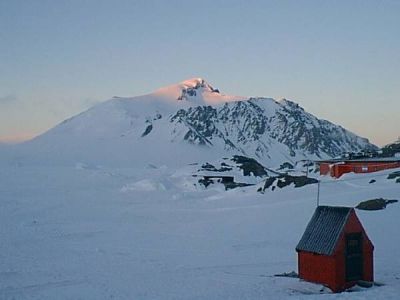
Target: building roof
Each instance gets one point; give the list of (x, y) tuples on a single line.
[(323, 230), (361, 160)]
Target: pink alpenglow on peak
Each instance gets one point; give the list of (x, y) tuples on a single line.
[(196, 91), (193, 82)]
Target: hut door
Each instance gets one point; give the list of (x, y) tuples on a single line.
[(354, 259)]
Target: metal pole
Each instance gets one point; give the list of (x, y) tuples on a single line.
[(318, 193), (307, 163)]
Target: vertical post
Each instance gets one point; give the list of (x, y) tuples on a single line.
[(307, 163), (318, 193)]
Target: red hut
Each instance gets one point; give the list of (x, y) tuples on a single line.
[(335, 250)]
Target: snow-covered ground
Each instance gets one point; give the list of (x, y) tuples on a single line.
[(87, 232)]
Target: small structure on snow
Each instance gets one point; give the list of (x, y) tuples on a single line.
[(335, 250), (337, 167)]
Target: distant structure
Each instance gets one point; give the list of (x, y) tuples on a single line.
[(335, 250), (338, 167)]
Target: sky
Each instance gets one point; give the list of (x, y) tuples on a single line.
[(340, 60)]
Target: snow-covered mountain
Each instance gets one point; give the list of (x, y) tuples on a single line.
[(193, 121)]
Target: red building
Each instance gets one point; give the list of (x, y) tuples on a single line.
[(335, 250), (337, 167)]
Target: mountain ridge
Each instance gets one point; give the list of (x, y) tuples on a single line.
[(193, 121)]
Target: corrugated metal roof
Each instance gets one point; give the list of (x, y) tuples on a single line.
[(323, 230)]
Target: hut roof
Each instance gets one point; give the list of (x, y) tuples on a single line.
[(323, 230)]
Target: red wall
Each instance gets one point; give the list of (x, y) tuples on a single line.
[(317, 268), (324, 168), (337, 170), (331, 270)]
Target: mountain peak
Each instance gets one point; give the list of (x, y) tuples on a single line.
[(196, 91), (194, 82)]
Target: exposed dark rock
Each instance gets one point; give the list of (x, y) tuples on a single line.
[(284, 180), (147, 130), (375, 204), (233, 185), (268, 182), (201, 122), (189, 92), (286, 165), (250, 166), (227, 181), (206, 181), (210, 167), (242, 123), (192, 91), (394, 175)]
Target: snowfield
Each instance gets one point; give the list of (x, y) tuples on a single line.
[(92, 232)]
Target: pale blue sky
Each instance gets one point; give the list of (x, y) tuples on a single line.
[(340, 60)]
